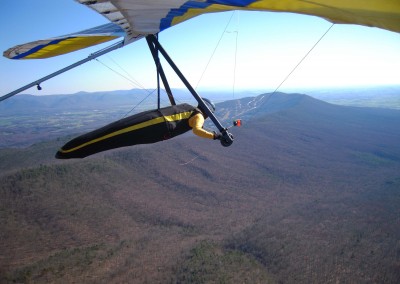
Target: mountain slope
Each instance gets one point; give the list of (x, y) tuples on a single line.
[(308, 192)]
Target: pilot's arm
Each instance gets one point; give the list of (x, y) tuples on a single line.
[(197, 122)]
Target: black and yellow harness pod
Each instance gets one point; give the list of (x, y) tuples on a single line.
[(142, 128)]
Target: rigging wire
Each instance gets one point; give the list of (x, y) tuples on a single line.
[(126, 72), (215, 49), (298, 64), (133, 81), (236, 52), (130, 79), (234, 65), (236, 32), (190, 161), (139, 103)]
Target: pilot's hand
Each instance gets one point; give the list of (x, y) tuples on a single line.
[(217, 136), (226, 139)]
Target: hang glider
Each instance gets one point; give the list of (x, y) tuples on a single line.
[(135, 19)]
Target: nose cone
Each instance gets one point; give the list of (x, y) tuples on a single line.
[(60, 155)]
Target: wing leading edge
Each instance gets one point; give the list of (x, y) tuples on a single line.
[(65, 44), (134, 19)]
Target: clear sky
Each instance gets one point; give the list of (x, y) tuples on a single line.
[(257, 51)]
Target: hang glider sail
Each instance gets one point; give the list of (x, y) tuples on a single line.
[(64, 44), (135, 19)]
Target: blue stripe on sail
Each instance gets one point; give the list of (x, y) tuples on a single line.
[(167, 21), (39, 47)]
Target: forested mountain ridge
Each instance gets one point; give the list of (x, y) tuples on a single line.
[(308, 192)]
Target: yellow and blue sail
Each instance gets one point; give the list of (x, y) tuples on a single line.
[(191, 9), (65, 44), (383, 14), (134, 19)]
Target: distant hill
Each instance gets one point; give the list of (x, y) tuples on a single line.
[(81, 100), (379, 96), (308, 193), (382, 96), (120, 99), (29, 119)]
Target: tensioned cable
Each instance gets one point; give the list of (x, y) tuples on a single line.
[(126, 72), (236, 51), (234, 67), (298, 64), (133, 81), (215, 49), (139, 103), (130, 79), (236, 32), (235, 63)]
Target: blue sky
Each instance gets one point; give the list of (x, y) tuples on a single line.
[(257, 52)]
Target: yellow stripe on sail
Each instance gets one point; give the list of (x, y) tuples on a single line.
[(68, 45), (376, 13)]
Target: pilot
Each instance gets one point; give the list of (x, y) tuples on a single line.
[(142, 128)]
